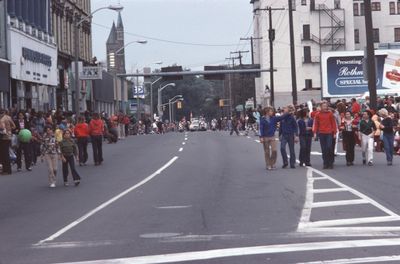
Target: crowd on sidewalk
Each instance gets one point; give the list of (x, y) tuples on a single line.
[(355, 123), (27, 136)]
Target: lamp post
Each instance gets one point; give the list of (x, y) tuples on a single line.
[(122, 86), (160, 99), (77, 23), (169, 105)]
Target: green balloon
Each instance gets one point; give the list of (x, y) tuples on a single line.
[(24, 135)]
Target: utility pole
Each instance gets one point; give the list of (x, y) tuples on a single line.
[(370, 55), (240, 52), (271, 38), (252, 46), (292, 53)]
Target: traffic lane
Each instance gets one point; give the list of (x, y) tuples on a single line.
[(222, 195), (30, 211)]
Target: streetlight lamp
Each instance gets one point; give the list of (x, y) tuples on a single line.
[(77, 23), (151, 92), (159, 97), (177, 97)]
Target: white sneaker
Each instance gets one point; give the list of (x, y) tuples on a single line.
[(53, 185)]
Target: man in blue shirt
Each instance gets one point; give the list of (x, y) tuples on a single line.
[(289, 135), (268, 127)]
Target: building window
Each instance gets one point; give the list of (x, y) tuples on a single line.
[(355, 9), (397, 35), (392, 8), (375, 34), (376, 6), (307, 54), (362, 9), (306, 32), (356, 36), (308, 83), (303, 2), (398, 8), (337, 4)]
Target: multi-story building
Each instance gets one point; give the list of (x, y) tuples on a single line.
[(385, 15), (4, 62), (33, 54), (63, 14), (319, 26), (116, 63)]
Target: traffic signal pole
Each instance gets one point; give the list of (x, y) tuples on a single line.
[(370, 55)]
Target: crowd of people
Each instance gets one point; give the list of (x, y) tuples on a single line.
[(353, 122), (56, 136)]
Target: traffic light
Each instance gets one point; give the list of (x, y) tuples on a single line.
[(179, 105)]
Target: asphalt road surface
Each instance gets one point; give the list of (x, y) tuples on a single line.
[(202, 197)]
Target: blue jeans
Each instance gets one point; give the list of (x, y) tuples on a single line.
[(288, 139), (326, 141), (388, 140), (305, 149)]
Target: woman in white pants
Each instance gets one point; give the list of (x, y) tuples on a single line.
[(367, 128)]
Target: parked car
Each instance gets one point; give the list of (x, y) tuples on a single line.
[(194, 125)]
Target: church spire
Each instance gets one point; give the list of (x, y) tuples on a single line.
[(112, 38), (120, 25)]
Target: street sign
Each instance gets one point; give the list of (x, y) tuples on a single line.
[(138, 91), (91, 73)]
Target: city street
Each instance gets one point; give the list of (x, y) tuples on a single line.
[(202, 197)]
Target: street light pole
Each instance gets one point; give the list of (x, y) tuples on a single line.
[(151, 98), (160, 99), (77, 23)]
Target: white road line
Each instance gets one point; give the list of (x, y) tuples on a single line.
[(357, 229), (174, 207), (350, 221), (258, 141), (356, 260), (320, 178), (186, 139), (329, 190), (104, 205), (249, 251), (306, 213), (181, 149), (183, 143), (339, 203), (248, 137), (357, 193)]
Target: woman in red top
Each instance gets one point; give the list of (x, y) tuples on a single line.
[(96, 128), (81, 132)]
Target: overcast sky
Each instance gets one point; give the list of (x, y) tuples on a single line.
[(215, 22)]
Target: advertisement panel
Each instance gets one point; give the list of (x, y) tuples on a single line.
[(343, 73)]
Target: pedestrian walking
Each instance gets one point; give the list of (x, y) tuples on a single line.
[(50, 152), (367, 129), (387, 135), (24, 148), (96, 129), (305, 124), (6, 127), (348, 127), (268, 126), (81, 132), (289, 135), (234, 126), (325, 127), (69, 151)]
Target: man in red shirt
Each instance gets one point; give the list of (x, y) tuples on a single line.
[(355, 107), (96, 128), (326, 128), (81, 132)]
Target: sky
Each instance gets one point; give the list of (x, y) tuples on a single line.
[(217, 25)]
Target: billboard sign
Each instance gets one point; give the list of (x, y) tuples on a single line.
[(91, 73), (138, 91), (343, 73)]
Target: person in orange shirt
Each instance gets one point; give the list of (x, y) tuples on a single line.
[(96, 130), (81, 132)]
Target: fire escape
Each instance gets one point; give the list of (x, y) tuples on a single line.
[(332, 39)]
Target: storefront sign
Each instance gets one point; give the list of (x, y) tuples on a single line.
[(35, 61)]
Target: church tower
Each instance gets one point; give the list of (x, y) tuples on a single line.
[(115, 42)]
